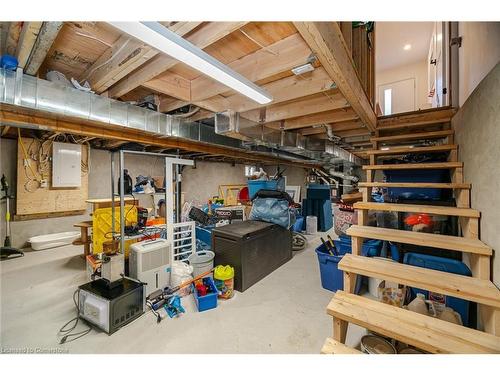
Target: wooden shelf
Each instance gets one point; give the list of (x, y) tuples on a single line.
[(417, 208), (413, 136), (332, 346), (464, 287), (424, 332), (386, 167), (417, 185), (412, 150), (439, 241)]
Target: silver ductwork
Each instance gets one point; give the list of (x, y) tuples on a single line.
[(231, 130), (231, 124)]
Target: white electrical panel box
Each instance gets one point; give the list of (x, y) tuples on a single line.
[(66, 165)]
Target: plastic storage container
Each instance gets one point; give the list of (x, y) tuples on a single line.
[(311, 224), (371, 248), (208, 301), (461, 306), (255, 185), (202, 261), (331, 277), (431, 175), (224, 281)]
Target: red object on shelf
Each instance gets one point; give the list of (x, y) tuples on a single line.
[(202, 289), (243, 195), (418, 219)]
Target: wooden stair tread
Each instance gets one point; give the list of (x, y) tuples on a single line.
[(419, 185), (440, 241), (412, 136), (413, 150), (417, 208), (332, 346), (424, 332), (464, 287), (445, 165)]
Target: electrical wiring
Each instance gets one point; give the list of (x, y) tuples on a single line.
[(68, 332)]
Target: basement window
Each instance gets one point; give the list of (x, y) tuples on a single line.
[(387, 101)]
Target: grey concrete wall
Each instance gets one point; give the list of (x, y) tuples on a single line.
[(477, 129), (198, 184)]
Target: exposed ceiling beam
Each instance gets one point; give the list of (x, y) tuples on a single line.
[(27, 41), (300, 107), (345, 133), (171, 84), (48, 33), (327, 43), (126, 55), (12, 39), (336, 115), (202, 38), (285, 55), (337, 126), (171, 104), (284, 89), (10, 114), (201, 115)]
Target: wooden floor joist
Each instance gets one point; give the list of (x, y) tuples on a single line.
[(424, 332), (439, 241), (449, 284), (413, 136)]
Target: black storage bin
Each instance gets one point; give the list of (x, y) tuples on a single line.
[(253, 248)]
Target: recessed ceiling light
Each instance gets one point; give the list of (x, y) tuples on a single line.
[(407, 47)]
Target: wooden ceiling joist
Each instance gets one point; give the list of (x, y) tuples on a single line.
[(27, 41), (168, 104), (327, 43), (337, 126), (321, 102), (281, 90), (171, 84), (285, 55), (13, 35), (46, 36), (336, 115), (202, 38), (12, 116), (126, 55)]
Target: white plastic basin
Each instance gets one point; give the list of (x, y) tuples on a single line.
[(48, 241)]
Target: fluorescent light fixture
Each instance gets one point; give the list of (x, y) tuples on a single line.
[(298, 70), (407, 47), (158, 36)]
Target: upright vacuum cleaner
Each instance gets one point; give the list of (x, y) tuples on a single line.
[(7, 251)]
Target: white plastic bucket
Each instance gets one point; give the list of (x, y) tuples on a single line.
[(201, 261), (311, 224), (181, 272)]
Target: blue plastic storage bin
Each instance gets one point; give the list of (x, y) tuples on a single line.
[(331, 277), (317, 191), (371, 248), (208, 301), (299, 224), (431, 175), (204, 234), (461, 306), (255, 185)]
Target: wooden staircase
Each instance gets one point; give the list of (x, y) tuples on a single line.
[(425, 132)]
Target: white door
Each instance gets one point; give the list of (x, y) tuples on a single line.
[(397, 97), (438, 66)]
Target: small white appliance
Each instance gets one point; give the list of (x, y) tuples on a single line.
[(150, 262)]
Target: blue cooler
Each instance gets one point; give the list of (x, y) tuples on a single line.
[(461, 306)]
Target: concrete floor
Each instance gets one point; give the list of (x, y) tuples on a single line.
[(283, 313)]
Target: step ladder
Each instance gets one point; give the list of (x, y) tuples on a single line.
[(428, 131)]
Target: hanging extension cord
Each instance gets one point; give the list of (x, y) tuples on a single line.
[(67, 332)]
